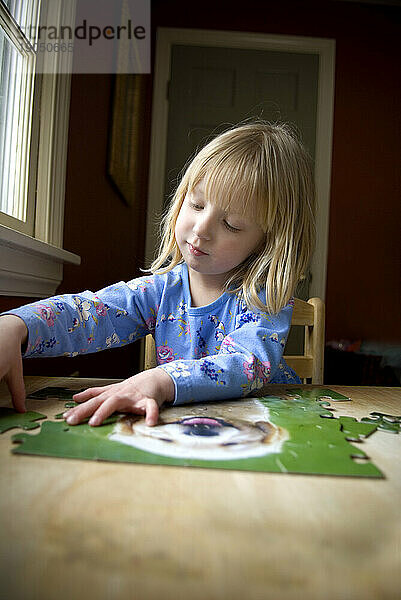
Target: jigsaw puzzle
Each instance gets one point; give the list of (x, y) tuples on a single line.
[(289, 433)]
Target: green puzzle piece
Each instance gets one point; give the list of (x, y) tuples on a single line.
[(384, 422), (9, 419), (54, 392), (318, 393), (67, 405), (355, 430), (316, 445)]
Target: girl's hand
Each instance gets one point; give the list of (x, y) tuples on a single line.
[(13, 334), (141, 394)]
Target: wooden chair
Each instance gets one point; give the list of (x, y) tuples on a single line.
[(310, 315), (309, 365)]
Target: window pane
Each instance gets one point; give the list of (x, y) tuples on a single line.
[(15, 127), (26, 14)]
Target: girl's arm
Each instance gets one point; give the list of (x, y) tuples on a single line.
[(79, 323), (249, 358), (88, 322)]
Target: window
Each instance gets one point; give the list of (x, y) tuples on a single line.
[(34, 109), (17, 86)]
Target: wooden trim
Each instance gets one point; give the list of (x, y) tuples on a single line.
[(29, 267), (53, 133)]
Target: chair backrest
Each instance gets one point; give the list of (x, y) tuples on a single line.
[(309, 365), (150, 353)]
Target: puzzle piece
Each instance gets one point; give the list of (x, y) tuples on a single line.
[(355, 430), (67, 405), (54, 392), (319, 393), (10, 419), (384, 422)]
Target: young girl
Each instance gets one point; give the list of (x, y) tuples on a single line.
[(236, 239)]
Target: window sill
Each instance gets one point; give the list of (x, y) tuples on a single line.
[(30, 267)]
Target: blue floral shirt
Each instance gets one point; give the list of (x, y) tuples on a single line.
[(214, 352)]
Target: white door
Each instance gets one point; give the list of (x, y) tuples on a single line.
[(212, 88)]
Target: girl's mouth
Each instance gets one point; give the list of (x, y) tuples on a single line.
[(196, 251)]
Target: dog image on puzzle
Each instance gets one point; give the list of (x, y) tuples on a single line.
[(216, 431)]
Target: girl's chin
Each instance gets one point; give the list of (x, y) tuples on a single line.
[(215, 277)]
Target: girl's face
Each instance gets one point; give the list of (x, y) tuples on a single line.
[(211, 241)]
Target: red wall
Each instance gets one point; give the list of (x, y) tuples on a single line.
[(364, 278), (363, 286)]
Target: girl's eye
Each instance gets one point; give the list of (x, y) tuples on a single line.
[(231, 228), (196, 206)]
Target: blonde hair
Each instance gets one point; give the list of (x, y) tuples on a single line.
[(264, 169)]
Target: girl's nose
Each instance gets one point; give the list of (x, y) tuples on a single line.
[(203, 227)]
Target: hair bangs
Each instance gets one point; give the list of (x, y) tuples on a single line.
[(236, 184)]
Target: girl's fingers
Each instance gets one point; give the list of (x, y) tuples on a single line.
[(100, 403), (79, 413), (107, 408), (90, 393), (145, 405), (152, 412)]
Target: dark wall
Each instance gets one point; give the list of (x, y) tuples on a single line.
[(363, 285)]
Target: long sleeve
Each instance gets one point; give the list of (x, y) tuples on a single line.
[(88, 322), (222, 350), (249, 357)]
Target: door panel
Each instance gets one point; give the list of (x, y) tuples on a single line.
[(212, 88)]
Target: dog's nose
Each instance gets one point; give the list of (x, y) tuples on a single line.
[(202, 429)]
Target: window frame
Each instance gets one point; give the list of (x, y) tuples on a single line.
[(23, 193), (32, 265)]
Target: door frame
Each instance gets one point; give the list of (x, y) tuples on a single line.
[(324, 47)]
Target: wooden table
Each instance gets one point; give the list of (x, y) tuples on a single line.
[(82, 529)]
